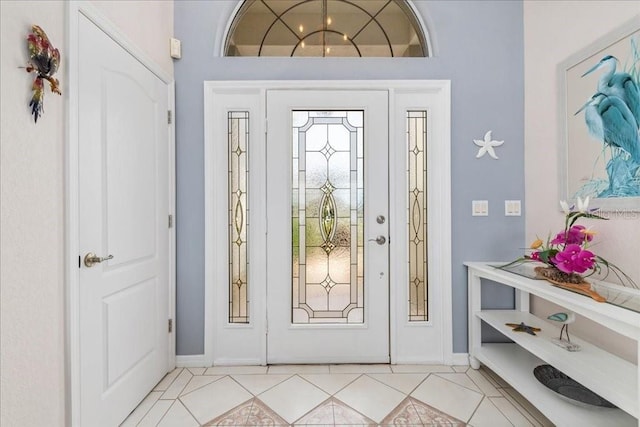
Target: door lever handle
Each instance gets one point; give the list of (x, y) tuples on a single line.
[(92, 258), (381, 240)]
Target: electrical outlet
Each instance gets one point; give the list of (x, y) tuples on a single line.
[(480, 208), (512, 208)]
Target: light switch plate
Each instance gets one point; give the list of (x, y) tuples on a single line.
[(480, 208), (512, 208), (175, 48)]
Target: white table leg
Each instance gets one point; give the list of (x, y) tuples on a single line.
[(475, 324)]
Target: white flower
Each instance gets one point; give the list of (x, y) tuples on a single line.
[(565, 207), (583, 205)]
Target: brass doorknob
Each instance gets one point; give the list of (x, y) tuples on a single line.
[(92, 258)]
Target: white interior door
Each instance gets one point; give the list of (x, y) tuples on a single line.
[(123, 208), (327, 238)]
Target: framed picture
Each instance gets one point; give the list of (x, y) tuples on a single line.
[(600, 122)]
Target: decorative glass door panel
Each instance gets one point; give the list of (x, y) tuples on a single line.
[(327, 217), (417, 215), (238, 136), (327, 250)]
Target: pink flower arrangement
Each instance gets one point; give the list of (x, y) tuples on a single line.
[(574, 259), (569, 251)]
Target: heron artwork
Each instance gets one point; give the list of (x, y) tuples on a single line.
[(612, 116)]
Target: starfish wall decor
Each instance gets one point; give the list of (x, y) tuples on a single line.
[(487, 145)]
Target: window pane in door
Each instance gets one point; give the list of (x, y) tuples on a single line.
[(327, 217), (417, 215), (238, 137)]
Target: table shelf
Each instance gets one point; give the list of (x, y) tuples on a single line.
[(608, 375), (515, 365)]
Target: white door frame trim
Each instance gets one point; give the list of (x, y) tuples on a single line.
[(76, 8), (442, 213)]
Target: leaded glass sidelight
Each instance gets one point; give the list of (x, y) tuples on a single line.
[(417, 215), (327, 217), (238, 138)]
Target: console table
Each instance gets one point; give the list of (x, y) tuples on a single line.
[(612, 377)]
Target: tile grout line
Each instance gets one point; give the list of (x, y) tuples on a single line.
[(333, 410), (171, 383), (266, 390), (146, 412), (460, 385), (203, 386), (488, 377), (520, 407), (414, 408), (183, 387), (241, 386), (333, 401), (330, 394), (406, 394), (499, 389), (145, 415), (253, 402), (309, 411), (494, 377), (361, 372), (189, 411), (478, 385), (500, 410), (413, 402), (165, 414), (476, 410)]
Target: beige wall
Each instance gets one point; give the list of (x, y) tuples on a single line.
[(554, 30), (32, 371), (149, 24), (31, 242)]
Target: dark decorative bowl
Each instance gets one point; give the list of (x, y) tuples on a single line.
[(569, 389)]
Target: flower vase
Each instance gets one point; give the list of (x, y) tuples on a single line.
[(569, 281)]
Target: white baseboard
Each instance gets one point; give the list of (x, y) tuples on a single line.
[(199, 361), (451, 359), (460, 359), (237, 362), (417, 361), (192, 361)]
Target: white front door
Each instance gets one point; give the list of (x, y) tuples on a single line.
[(327, 233), (123, 208), (295, 270)]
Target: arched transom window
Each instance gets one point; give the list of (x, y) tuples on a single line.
[(347, 28)]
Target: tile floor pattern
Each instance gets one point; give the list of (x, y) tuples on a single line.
[(334, 395)]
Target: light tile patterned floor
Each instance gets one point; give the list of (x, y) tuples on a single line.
[(334, 395)]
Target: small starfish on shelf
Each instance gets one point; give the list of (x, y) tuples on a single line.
[(521, 327)]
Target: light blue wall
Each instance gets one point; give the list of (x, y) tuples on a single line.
[(479, 48)]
